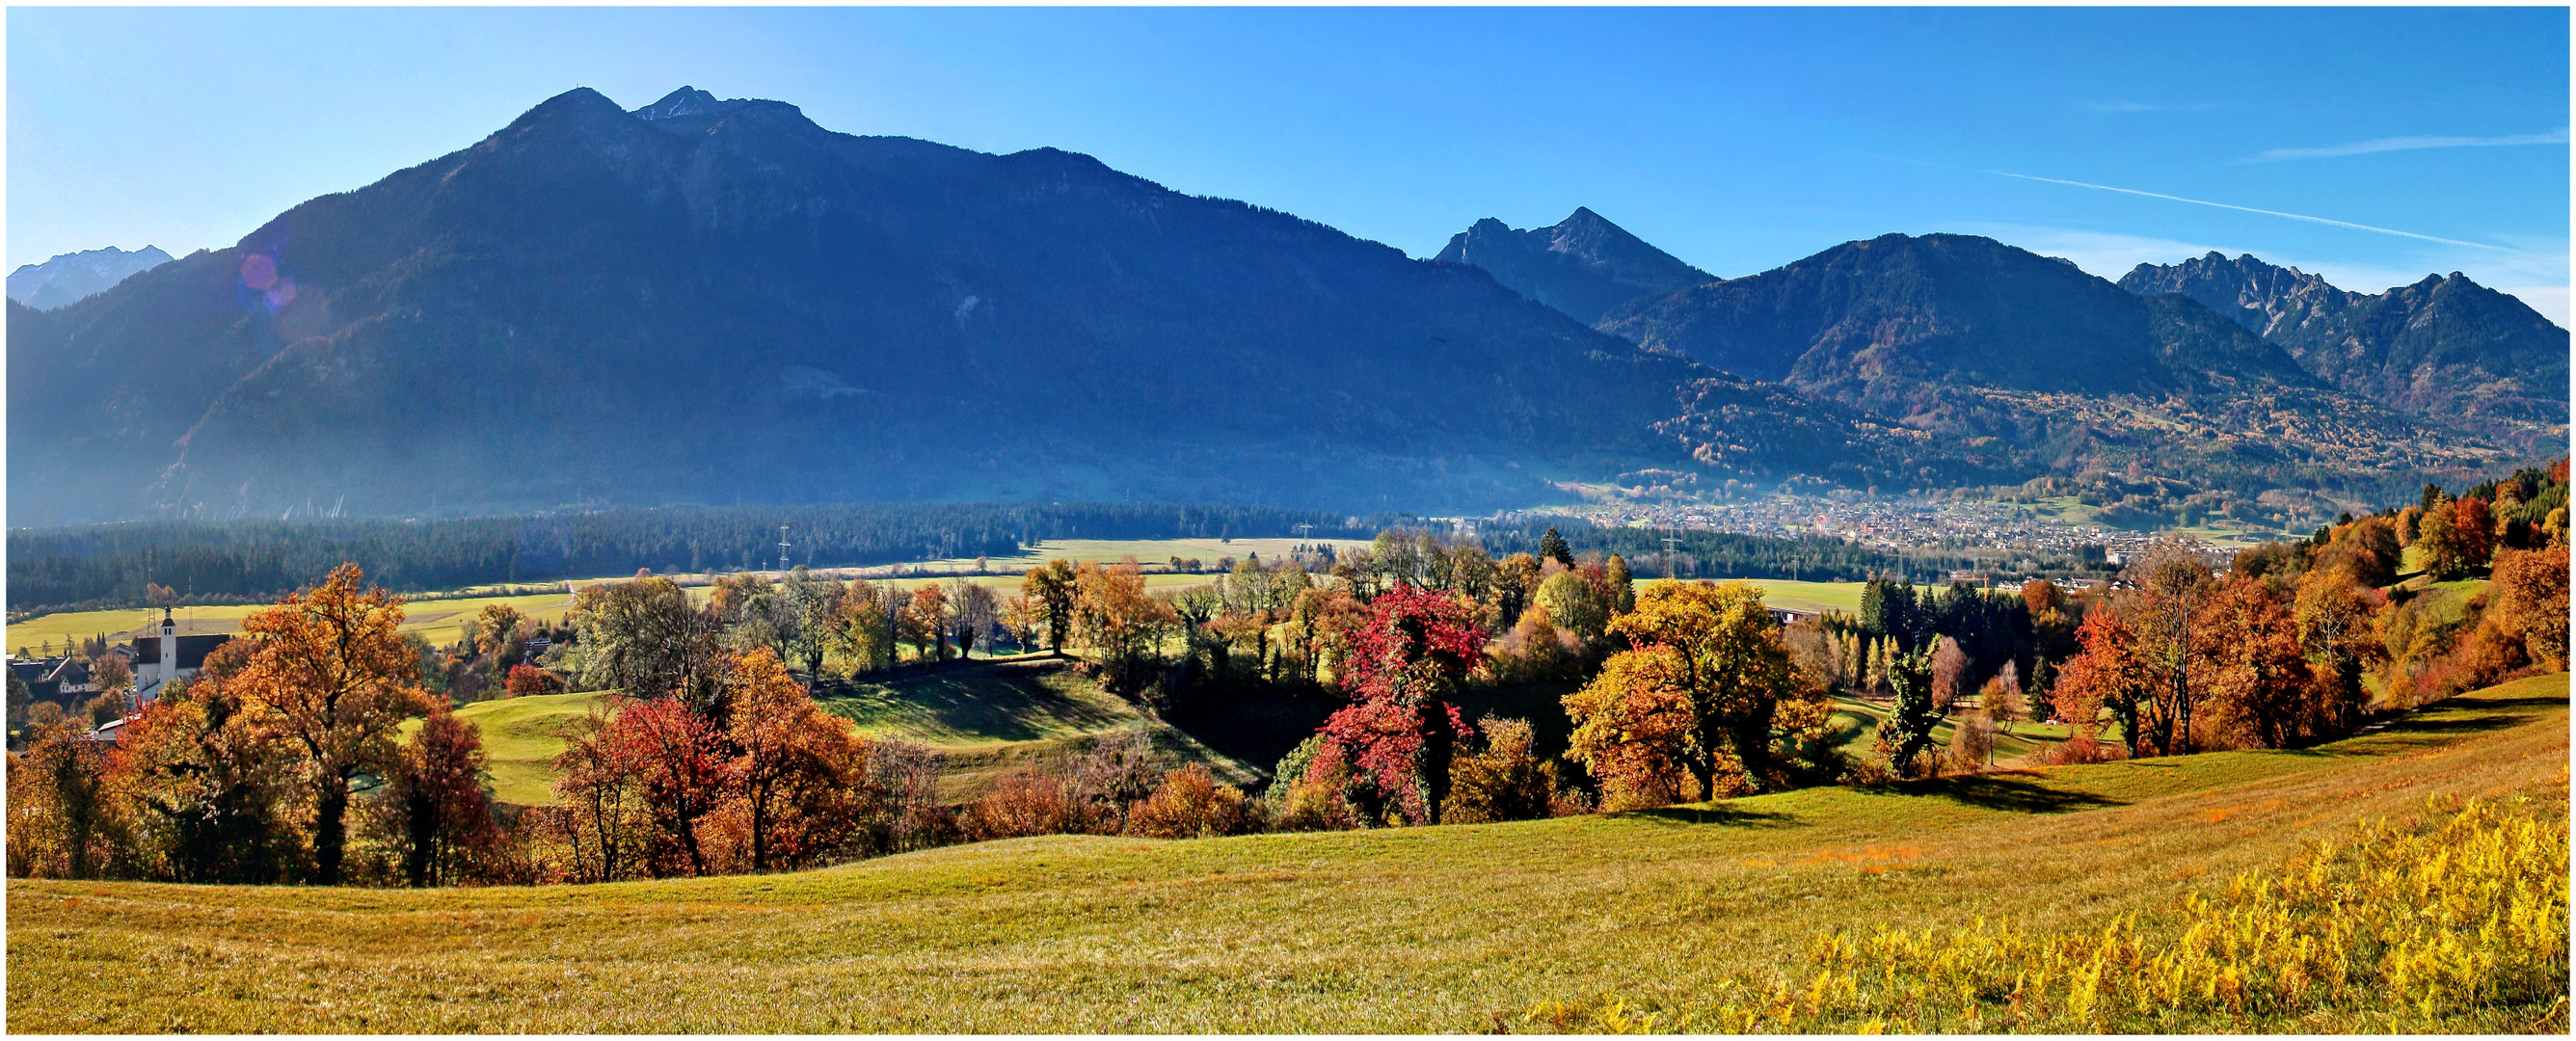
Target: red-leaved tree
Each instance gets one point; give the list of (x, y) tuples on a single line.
[(1400, 730)]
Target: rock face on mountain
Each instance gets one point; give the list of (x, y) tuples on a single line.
[(72, 277), (1582, 265), (2444, 346), (718, 301)]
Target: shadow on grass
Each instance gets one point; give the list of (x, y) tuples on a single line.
[(1004, 702), (1720, 815), (2000, 793)]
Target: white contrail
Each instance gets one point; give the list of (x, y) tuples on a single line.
[(2250, 209), (2400, 144)]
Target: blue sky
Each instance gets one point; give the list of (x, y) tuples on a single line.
[(1737, 139)]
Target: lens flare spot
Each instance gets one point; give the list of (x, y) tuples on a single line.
[(281, 292), (258, 271)]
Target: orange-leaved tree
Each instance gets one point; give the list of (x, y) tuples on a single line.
[(800, 773), (328, 674)]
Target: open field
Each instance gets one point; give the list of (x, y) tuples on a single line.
[(1434, 929), (438, 621)]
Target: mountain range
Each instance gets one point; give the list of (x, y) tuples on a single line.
[(72, 277), (713, 301), (2443, 346)]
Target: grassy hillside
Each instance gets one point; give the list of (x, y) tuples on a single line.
[(982, 719), (521, 738), (1432, 929)]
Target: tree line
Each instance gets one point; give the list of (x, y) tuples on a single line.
[(245, 561), (289, 758)]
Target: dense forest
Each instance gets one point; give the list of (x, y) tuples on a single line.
[(209, 562)]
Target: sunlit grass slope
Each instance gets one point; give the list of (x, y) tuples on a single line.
[(1433, 929)]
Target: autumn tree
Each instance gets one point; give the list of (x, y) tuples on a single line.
[(861, 630), (1118, 622), (2164, 614), (2530, 602), (208, 788), (1744, 689), (2333, 613), (924, 622), (974, 614), (682, 777), (1050, 591), (2107, 674), (800, 773), (60, 823), (601, 819), (445, 827), (1503, 781), (1402, 673), (496, 629), (1576, 603), (2259, 688), (329, 676), (644, 639)]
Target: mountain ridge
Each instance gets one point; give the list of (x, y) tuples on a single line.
[(69, 278), (2440, 346)]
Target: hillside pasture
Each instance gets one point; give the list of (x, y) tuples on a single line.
[(1447, 929)]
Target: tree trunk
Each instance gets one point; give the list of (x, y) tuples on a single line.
[(331, 830)]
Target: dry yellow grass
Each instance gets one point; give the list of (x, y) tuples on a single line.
[(1432, 929)]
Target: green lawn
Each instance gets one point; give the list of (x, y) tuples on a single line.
[(1451, 929)]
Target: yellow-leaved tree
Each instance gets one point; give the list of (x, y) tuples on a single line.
[(1732, 671)]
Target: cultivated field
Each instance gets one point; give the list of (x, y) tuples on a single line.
[(440, 621), (1433, 929)]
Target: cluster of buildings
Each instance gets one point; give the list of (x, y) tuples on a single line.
[(1896, 525), (155, 656)]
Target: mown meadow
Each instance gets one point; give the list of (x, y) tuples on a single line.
[(1665, 918)]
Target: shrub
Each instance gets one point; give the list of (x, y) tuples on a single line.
[(1026, 801), (1505, 782), (1191, 804), (1972, 743), (2077, 750), (528, 680)]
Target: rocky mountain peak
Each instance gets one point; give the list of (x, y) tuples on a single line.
[(1583, 265)]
